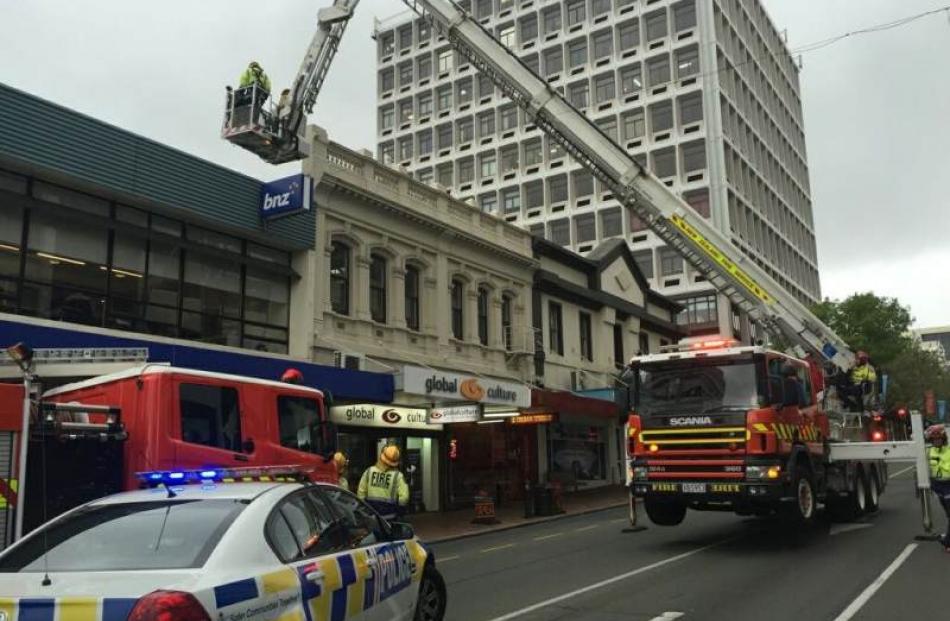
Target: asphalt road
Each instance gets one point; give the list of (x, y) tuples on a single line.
[(713, 566)]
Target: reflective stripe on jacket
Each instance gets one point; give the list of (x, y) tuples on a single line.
[(863, 373), (250, 76)]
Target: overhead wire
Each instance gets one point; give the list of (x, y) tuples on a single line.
[(897, 23)]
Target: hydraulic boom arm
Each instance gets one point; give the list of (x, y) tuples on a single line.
[(734, 275)]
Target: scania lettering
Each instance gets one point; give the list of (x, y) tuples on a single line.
[(690, 420)]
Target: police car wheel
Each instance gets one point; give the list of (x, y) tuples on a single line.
[(432, 597)]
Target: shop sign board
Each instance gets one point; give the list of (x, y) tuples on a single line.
[(456, 414), (285, 197), (532, 419), (460, 387), (385, 416)]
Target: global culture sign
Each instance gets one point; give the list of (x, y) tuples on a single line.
[(456, 414), (386, 416), (442, 385), (286, 197)]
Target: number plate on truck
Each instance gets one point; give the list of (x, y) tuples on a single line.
[(694, 488)]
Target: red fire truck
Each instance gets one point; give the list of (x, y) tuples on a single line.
[(719, 427), (89, 439)]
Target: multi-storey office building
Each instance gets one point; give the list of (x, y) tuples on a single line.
[(704, 92)]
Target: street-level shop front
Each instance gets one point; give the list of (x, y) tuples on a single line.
[(583, 442), (364, 429)]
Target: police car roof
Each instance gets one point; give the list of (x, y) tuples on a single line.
[(194, 491), (153, 368)]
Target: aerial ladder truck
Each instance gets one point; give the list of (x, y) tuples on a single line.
[(817, 454)]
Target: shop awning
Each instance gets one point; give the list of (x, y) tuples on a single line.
[(565, 402)]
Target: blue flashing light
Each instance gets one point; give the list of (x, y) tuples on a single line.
[(155, 476), (176, 476), (209, 474)]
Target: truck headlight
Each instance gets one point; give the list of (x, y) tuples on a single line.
[(763, 473), (641, 473)]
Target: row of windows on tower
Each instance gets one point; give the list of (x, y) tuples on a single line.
[(379, 292)]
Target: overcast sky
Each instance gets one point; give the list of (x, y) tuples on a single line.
[(876, 107)]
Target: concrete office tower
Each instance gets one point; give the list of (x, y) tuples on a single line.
[(704, 92)]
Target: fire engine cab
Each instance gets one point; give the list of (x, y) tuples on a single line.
[(715, 426)]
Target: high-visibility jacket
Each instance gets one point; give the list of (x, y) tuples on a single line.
[(863, 373), (250, 76), (939, 462), (343, 483), (385, 489)]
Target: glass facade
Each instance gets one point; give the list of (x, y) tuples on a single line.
[(75, 257)]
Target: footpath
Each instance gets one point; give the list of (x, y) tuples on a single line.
[(446, 526)]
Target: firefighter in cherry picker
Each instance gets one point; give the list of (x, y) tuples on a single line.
[(863, 380), (939, 456), (253, 76), (383, 486)]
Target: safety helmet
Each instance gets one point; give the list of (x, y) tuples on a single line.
[(862, 356), (936, 432), (390, 456), (292, 376), (340, 460), (254, 65)]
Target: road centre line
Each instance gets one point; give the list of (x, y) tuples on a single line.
[(552, 536), (583, 528), (608, 581), (501, 547), (872, 588), (897, 474), (443, 559), (668, 616), (618, 520)]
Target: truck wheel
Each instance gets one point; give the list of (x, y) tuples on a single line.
[(854, 504), (873, 491), (664, 513), (801, 511)]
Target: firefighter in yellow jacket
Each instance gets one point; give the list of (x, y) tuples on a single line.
[(939, 456), (383, 486)]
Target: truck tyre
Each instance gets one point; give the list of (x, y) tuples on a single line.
[(873, 490), (665, 513), (801, 511), (854, 504)]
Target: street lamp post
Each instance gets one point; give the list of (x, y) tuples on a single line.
[(23, 357)]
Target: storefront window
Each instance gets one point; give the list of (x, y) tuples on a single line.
[(212, 286), (266, 297), (11, 232), (579, 451)]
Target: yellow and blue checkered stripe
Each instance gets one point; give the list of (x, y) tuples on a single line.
[(67, 609)]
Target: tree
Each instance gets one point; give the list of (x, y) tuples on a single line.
[(912, 373), (877, 325)]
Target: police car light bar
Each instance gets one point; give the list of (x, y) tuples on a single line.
[(266, 474)]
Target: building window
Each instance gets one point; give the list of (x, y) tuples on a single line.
[(444, 136), (466, 170), (464, 89), (508, 116), (628, 35), (552, 20), (661, 117), (602, 43), (687, 62), (386, 117), (422, 31), (487, 165), (340, 278), (670, 262), (532, 152), (387, 44), (466, 130), (559, 231), (443, 175), (488, 203), (699, 311), (424, 68), (599, 7), (684, 15), (506, 322), (405, 38), (633, 125), (553, 61), (576, 12), (699, 201), (555, 329), (458, 300), (444, 95), (608, 125), (583, 183), (377, 288), (529, 29), (604, 88), (405, 111), (557, 188), (644, 344), (579, 94), (511, 200), (412, 297), (486, 124), (664, 163), (694, 156), (644, 261), (506, 35), (658, 70), (631, 79), (584, 227), (425, 142), (483, 302), (405, 148), (611, 222), (619, 362), (691, 108), (485, 87), (483, 8), (210, 416), (577, 53), (587, 343), (387, 81), (534, 194), (656, 25), (425, 104), (405, 74), (445, 61)]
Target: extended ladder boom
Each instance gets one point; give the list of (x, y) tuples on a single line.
[(734, 275)]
